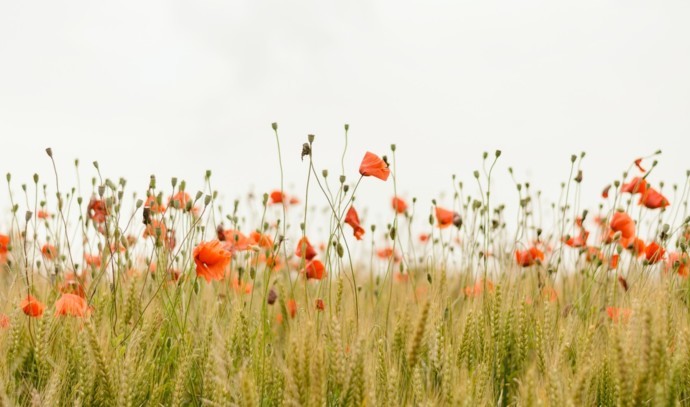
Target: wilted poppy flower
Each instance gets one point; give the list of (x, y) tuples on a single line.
[(315, 270), (32, 307), (211, 260), (305, 249), (352, 219), (399, 205), (444, 217), (605, 192), (526, 258), (320, 305), (97, 210), (637, 185), (153, 205), (638, 164), (291, 306), (652, 199), (70, 304), (618, 314), (49, 251), (653, 252), (373, 165)]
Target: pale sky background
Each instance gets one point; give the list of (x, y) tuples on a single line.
[(175, 88)]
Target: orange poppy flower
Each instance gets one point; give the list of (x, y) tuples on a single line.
[(304, 248), (211, 259), (652, 199), (277, 197), (637, 246), (613, 262), (32, 307), (4, 243), (4, 321), (401, 278), (681, 261), (291, 306), (352, 219), (605, 192), (43, 214), (320, 305), (373, 165), (261, 240), (233, 240), (577, 241), (593, 253), (653, 252), (179, 200), (399, 205), (152, 230), (153, 205), (478, 287), (618, 314), (550, 294), (529, 257), (622, 222), (423, 237), (294, 200), (73, 284), (241, 286), (49, 251), (637, 185), (315, 270), (387, 253), (444, 217), (97, 210), (92, 260), (70, 304), (638, 164)]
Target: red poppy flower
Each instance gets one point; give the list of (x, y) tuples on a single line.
[(373, 165), (97, 210), (526, 258), (444, 217), (73, 284), (618, 314), (276, 197), (242, 286), (233, 240), (352, 219), (92, 260), (32, 307), (593, 253), (320, 305), (478, 287), (261, 240), (42, 214), (315, 270), (638, 164), (387, 253), (653, 253), (70, 304), (637, 246), (577, 241), (153, 205), (4, 243), (652, 199), (4, 321), (605, 192), (681, 261), (49, 251), (622, 222), (211, 260), (291, 306), (637, 185), (613, 261), (179, 200), (399, 205), (304, 248)]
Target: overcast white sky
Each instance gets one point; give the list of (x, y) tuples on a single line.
[(175, 88)]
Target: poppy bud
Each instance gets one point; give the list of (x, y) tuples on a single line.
[(8, 176), (573, 158), (49, 151), (457, 220), (498, 153), (578, 178), (393, 147), (28, 215), (306, 150), (484, 155), (339, 250), (346, 188), (274, 126), (95, 164), (347, 127), (310, 137), (207, 200), (476, 174), (342, 179)]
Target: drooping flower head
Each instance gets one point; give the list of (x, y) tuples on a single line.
[(32, 307), (305, 249), (652, 199), (399, 205), (654, 252), (315, 270), (444, 217), (352, 219)]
